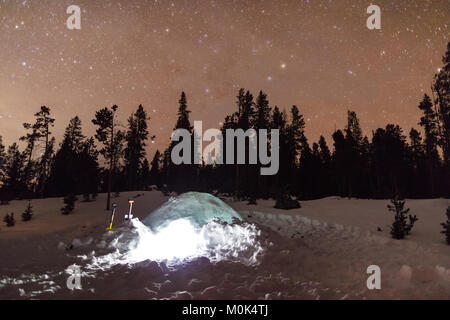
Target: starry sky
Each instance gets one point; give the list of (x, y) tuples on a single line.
[(317, 54)]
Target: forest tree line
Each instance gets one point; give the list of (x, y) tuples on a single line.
[(391, 162)]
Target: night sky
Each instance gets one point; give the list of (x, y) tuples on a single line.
[(316, 54)]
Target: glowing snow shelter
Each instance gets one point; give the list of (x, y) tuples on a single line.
[(196, 207)]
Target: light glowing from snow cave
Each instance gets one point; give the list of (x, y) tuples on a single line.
[(188, 226)]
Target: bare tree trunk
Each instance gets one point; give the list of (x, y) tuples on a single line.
[(44, 165), (108, 198)]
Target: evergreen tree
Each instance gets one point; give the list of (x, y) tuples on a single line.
[(13, 183), (429, 122), (446, 226), (339, 163), (416, 157), (262, 110), (353, 141), (87, 168), (180, 177), (400, 227), (155, 171), (69, 202), (112, 140), (9, 220), (135, 152), (261, 121), (389, 161), (74, 168), (144, 174), (30, 138), (441, 87), (2, 160), (28, 213), (183, 121), (325, 186), (42, 126), (62, 179)]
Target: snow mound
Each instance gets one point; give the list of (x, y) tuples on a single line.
[(178, 243), (196, 207)]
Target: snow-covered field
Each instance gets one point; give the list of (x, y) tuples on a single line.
[(320, 251)]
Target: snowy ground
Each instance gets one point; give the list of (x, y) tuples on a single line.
[(320, 251)]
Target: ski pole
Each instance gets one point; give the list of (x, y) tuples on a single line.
[(112, 217), (129, 216)]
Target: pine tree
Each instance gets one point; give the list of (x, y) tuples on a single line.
[(28, 213), (70, 166), (429, 122), (135, 152), (112, 140), (353, 141), (339, 163), (183, 121), (446, 226), (87, 168), (155, 171), (69, 202), (389, 161), (418, 178), (180, 177), (30, 138), (9, 220), (261, 121), (2, 160), (42, 126), (441, 87), (262, 109), (400, 227), (279, 122), (13, 183), (64, 174), (144, 174)]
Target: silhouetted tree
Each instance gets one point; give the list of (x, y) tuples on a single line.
[(155, 171), (112, 140), (418, 177), (75, 166), (42, 125), (429, 122), (180, 177), (400, 227), (441, 87), (136, 137), (28, 213), (2, 160), (446, 226), (69, 202), (9, 220), (13, 183)]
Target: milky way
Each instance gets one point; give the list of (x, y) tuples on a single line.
[(316, 54)]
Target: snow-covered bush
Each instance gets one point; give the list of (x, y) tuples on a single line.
[(9, 220), (401, 227), (446, 226), (28, 213)]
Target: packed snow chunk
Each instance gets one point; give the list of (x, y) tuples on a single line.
[(196, 207)]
